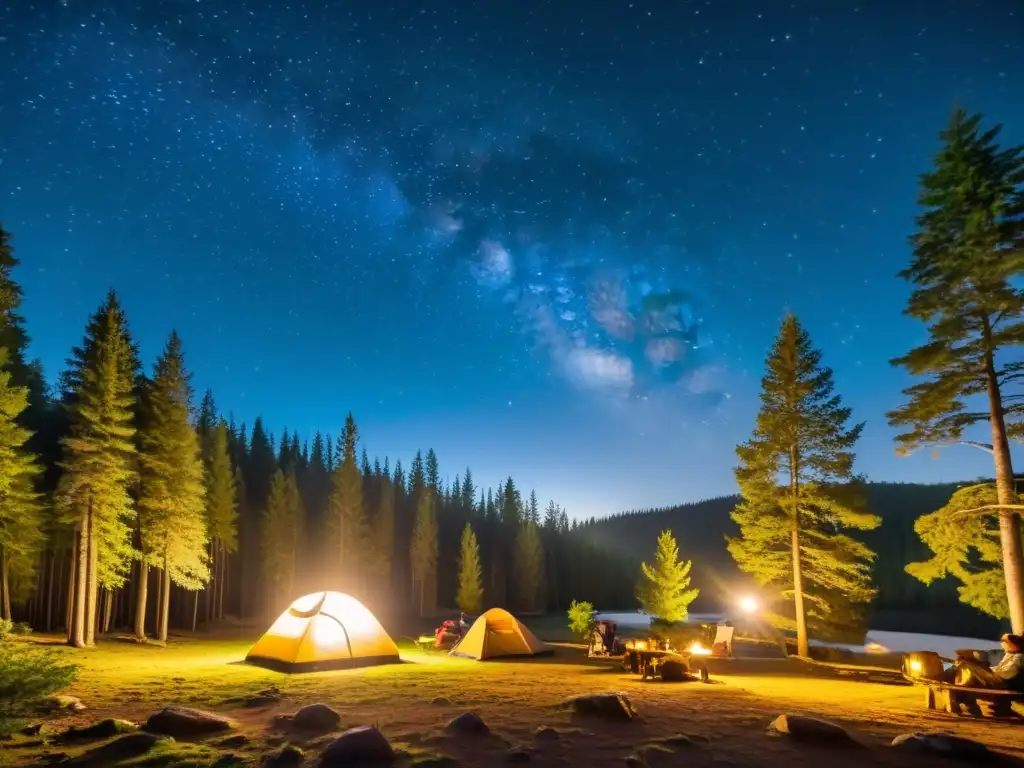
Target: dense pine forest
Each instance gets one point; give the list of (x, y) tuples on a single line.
[(142, 507)]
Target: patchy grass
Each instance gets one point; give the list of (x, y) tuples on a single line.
[(721, 723)]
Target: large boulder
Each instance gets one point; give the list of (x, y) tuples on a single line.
[(611, 706), (187, 723), (941, 744), (119, 750), (467, 724), (811, 730), (364, 745)]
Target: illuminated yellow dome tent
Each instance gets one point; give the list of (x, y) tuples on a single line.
[(324, 630), (497, 633)]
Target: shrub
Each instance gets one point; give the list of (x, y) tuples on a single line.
[(27, 676), (581, 616)]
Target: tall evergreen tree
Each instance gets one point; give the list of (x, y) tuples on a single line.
[(417, 479), (99, 462), (281, 540), (471, 589), (423, 550), (12, 327), (431, 472), (664, 590), (221, 515), (172, 498), (529, 562), (347, 527), (533, 509), (21, 517), (790, 533), (384, 528), (966, 271)]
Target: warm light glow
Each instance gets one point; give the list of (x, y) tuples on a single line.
[(915, 666), (748, 604), (307, 603), (639, 645), (699, 650), (327, 633), (288, 625), (875, 648)]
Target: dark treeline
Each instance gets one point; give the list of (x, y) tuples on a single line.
[(141, 508)]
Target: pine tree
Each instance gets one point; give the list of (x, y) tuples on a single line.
[(966, 546), (965, 271), (281, 539), (529, 561), (12, 328), (790, 534), (99, 463), (471, 589), (221, 515), (384, 528), (664, 590), (533, 509), (172, 498), (423, 551), (347, 527), (21, 517)]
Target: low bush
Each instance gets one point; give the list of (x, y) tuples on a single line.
[(28, 675)]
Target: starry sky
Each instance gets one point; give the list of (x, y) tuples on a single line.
[(551, 239)]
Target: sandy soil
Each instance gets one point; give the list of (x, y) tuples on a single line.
[(411, 703)]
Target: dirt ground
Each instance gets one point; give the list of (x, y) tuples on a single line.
[(411, 702)]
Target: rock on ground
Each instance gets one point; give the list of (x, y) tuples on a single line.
[(315, 717), (546, 733), (287, 756), (124, 748), (358, 746), (63, 701), (185, 723), (104, 729), (518, 755), (945, 745), (613, 706), (811, 730), (467, 724)]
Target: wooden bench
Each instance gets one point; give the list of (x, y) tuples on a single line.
[(984, 702)]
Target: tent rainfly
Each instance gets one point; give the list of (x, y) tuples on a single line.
[(497, 633), (324, 630)]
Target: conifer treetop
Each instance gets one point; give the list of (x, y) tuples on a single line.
[(967, 255)]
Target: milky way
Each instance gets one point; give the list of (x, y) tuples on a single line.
[(550, 239)]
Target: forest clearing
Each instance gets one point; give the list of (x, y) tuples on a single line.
[(724, 723)]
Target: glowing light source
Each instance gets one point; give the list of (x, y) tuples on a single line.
[(915, 666), (699, 650), (748, 604)]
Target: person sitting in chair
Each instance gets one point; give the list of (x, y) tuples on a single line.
[(1007, 674)]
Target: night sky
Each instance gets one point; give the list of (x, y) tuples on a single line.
[(547, 239)]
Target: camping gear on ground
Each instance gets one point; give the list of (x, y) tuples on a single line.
[(324, 630), (497, 633), (603, 641), (655, 657), (447, 635), (721, 645)]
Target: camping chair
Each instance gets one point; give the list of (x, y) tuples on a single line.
[(722, 645)]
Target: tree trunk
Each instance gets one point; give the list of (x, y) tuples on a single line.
[(1009, 519), (108, 610), (79, 573), (92, 590), (195, 610), (5, 589), (55, 575), (141, 596), (165, 601), (802, 645)]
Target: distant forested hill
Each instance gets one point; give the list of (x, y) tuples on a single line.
[(903, 602)]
